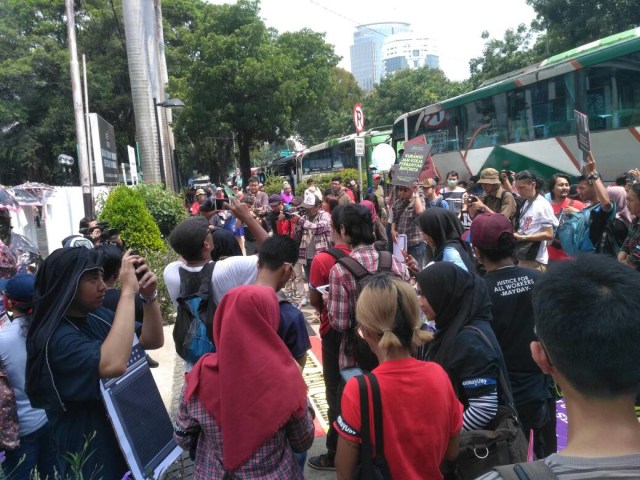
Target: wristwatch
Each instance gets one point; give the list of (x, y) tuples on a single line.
[(593, 176)]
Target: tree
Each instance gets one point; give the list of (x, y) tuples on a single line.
[(511, 53), (407, 90), (571, 23), (248, 81)]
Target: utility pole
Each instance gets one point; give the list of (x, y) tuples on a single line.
[(81, 133)]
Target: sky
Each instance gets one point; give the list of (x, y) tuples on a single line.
[(455, 25)]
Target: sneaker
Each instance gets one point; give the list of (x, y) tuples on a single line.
[(322, 462)]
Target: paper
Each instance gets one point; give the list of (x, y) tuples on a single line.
[(399, 245)]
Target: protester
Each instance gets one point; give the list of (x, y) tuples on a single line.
[(495, 199), (510, 290), (630, 252), (443, 233), (244, 410), (595, 365), (430, 196), (36, 452), (562, 206), (356, 229), (286, 195), (387, 313), (200, 196), (456, 299), (313, 228), (331, 338), (617, 229), (405, 210), (379, 189), (534, 223), (312, 188), (379, 232), (593, 192), (224, 245), (340, 192), (111, 260), (452, 193), (73, 343)]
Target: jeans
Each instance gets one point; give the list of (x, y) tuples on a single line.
[(417, 251), (331, 372), (39, 454)]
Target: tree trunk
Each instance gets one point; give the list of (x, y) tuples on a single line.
[(244, 145)]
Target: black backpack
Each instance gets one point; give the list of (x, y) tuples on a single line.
[(193, 330), (356, 346)]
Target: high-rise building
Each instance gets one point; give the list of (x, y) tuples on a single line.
[(408, 50), (366, 51)]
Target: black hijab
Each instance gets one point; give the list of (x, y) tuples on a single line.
[(56, 284), (446, 230), (224, 245), (457, 297)]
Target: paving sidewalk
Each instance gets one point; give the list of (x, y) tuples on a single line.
[(169, 377)]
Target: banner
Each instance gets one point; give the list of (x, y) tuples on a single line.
[(414, 161)]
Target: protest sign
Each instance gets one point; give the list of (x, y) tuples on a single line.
[(582, 132), (412, 163)]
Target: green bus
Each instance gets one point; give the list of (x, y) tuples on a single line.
[(525, 119), (339, 153)]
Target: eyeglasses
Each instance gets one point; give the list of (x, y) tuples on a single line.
[(288, 263), (546, 352), (427, 187)]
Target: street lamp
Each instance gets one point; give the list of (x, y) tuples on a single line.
[(66, 161), (171, 103)]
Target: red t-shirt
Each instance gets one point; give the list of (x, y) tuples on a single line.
[(319, 276), (195, 208), (556, 253), (420, 414)]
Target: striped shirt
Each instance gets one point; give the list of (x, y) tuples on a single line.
[(583, 468)]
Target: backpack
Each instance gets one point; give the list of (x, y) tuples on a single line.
[(355, 345), (519, 204), (574, 233), (193, 330)]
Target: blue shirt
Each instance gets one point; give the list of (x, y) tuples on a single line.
[(74, 356), (293, 330)]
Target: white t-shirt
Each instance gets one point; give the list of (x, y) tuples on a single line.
[(535, 217), (227, 274)]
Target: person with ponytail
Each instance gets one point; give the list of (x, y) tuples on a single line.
[(418, 401)]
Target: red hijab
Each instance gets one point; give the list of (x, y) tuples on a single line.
[(251, 386)]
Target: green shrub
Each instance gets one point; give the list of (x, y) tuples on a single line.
[(323, 180), (273, 184), (125, 211), (157, 261), (166, 207)]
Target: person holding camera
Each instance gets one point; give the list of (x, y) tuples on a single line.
[(496, 199)]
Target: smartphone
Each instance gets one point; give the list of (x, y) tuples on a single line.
[(348, 373), (472, 199), (323, 289), (139, 275)]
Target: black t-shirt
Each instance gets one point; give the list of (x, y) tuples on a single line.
[(111, 299), (510, 290), (473, 365)]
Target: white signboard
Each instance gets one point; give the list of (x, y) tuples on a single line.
[(359, 147)]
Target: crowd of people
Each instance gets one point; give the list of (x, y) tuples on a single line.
[(482, 311)]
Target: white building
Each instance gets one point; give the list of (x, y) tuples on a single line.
[(408, 50)]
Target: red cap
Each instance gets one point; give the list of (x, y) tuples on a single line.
[(486, 229)]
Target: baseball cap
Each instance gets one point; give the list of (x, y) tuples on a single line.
[(189, 233), (376, 175), (297, 201), (487, 228), (489, 176), (208, 205), (274, 199), (309, 200), (200, 191), (19, 288), (77, 241)]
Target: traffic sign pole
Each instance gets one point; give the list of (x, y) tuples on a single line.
[(358, 122)]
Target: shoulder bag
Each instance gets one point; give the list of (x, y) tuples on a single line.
[(502, 443), (372, 465), (10, 432)]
